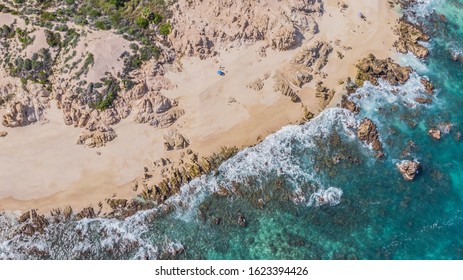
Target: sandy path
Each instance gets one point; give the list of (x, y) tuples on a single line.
[(42, 167)]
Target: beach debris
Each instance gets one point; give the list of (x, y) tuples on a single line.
[(409, 169)]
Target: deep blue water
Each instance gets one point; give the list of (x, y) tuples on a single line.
[(373, 213)]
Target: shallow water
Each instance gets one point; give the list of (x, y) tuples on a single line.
[(311, 191)]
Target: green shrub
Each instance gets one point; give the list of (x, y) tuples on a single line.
[(53, 39), (165, 29), (142, 22)]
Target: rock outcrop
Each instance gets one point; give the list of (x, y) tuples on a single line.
[(314, 56), (323, 94), (435, 133), (97, 138), (24, 112), (256, 84), (240, 22), (289, 79), (409, 169), (350, 105), (31, 223), (175, 141), (409, 37), (371, 69), (368, 133), (157, 110)]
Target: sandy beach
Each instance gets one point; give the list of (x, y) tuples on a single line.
[(42, 167)]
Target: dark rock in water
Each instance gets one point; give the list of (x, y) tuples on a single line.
[(456, 56), (409, 37), (349, 105), (32, 223), (423, 100), (24, 217), (428, 86), (409, 169), (435, 133), (242, 221), (368, 133), (371, 69)]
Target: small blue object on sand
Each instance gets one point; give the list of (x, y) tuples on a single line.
[(221, 73)]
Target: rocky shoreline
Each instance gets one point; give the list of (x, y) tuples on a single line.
[(154, 193)]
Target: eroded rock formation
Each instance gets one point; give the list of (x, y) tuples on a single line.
[(371, 69), (240, 22), (409, 37)]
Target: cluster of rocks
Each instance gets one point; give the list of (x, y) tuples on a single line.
[(184, 173), (289, 79), (175, 141), (157, 110), (350, 105), (240, 22), (23, 112), (442, 128), (409, 169), (368, 133), (371, 69), (31, 223), (256, 84), (97, 138), (323, 94), (314, 56), (409, 37)]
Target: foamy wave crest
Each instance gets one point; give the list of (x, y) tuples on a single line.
[(422, 8), (370, 97), (276, 155), (409, 59), (87, 239), (331, 196)]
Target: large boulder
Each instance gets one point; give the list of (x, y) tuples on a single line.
[(409, 169)]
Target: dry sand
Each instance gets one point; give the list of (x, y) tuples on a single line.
[(42, 167)]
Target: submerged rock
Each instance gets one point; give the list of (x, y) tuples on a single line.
[(409, 169), (435, 133)]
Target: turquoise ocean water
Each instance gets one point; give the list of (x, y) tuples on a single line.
[(368, 210)]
